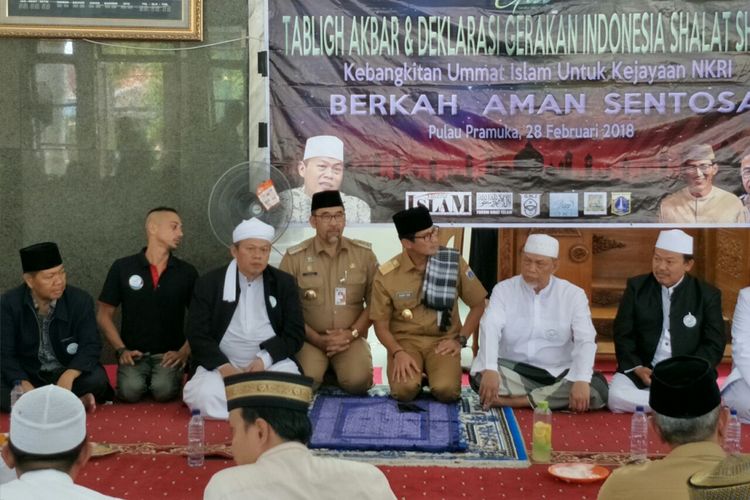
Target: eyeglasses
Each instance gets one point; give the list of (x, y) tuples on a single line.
[(703, 166), (327, 218), (433, 233)]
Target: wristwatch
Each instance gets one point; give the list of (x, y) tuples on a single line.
[(355, 333), (119, 352), (462, 340)]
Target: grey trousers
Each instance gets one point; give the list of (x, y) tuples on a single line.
[(147, 375)]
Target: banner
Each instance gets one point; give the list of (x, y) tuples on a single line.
[(514, 112)]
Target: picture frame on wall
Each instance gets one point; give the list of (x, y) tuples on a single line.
[(114, 19)]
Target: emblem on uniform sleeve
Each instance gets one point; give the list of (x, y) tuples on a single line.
[(135, 282), (689, 320)]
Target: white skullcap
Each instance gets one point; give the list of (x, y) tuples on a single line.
[(700, 152), (324, 145), (675, 240), (47, 420), (542, 244), (253, 228)]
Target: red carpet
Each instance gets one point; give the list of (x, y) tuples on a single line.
[(162, 475)]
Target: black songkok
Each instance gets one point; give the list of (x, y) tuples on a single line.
[(325, 199), (684, 387), (412, 220), (268, 389), (39, 257)]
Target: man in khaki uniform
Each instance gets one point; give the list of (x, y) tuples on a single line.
[(700, 200), (334, 275), (687, 416), (421, 338)]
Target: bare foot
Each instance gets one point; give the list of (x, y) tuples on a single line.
[(89, 402)]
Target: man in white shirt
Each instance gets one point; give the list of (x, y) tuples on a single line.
[(663, 314), (47, 446), (270, 428), (536, 339), (243, 317), (736, 391)]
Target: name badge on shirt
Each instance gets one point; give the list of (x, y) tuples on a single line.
[(689, 320), (339, 296)]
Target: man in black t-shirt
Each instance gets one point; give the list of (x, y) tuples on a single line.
[(154, 288)]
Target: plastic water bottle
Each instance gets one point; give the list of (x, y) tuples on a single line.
[(196, 436), (541, 448), (16, 392), (732, 434), (639, 436)]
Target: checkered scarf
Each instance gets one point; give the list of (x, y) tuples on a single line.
[(439, 286)]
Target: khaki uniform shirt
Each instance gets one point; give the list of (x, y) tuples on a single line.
[(717, 206), (398, 287), (357, 211), (333, 290), (665, 479)]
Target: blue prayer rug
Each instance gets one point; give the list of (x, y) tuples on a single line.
[(375, 430)]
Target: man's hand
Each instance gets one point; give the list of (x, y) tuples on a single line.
[(256, 366), (228, 369), (448, 347), (67, 378), (580, 394), (337, 341), (644, 374), (174, 359), (404, 366), (129, 357), (489, 388)]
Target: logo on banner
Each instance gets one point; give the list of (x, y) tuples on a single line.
[(563, 204), (531, 204), (441, 203), (494, 203), (621, 203), (595, 203)]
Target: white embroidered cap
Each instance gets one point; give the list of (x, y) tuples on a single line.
[(47, 420), (324, 145), (253, 228), (542, 244), (675, 240)]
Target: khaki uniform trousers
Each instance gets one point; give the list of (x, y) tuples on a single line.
[(353, 367), (443, 372)]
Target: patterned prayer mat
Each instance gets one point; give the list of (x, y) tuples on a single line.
[(382, 423), (488, 439)]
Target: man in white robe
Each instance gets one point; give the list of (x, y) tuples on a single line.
[(536, 339), (244, 317)]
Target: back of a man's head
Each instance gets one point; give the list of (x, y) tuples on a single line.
[(685, 399), (289, 425), (47, 430)]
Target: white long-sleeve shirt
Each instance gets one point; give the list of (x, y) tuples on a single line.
[(741, 339), (551, 329)]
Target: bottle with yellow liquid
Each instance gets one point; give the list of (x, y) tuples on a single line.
[(541, 447)]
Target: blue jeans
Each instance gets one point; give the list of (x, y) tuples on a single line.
[(148, 375)]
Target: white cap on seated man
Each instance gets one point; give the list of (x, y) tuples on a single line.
[(48, 447), (662, 314), (536, 339), (244, 317)]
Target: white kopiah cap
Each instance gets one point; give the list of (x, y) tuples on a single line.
[(542, 244), (47, 420), (324, 145), (675, 240), (253, 228)]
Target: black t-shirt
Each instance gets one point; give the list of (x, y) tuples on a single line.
[(152, 319)]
